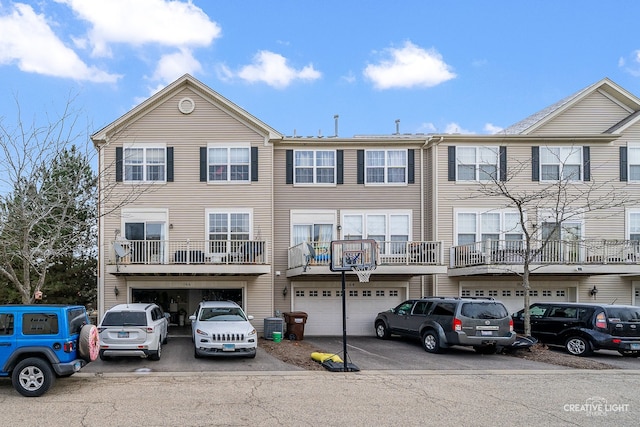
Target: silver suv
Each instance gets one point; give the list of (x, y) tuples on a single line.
[(221, 328), (137, 329), (441, 322)]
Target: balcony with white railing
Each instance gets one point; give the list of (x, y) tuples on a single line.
[(197, 257), (414, 258), (581, 257)]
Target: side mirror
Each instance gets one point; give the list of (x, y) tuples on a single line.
[(250, 317), (192, 317)]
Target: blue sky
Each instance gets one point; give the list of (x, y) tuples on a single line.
[(437, 66)]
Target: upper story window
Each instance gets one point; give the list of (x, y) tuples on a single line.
[(228, 230), (494, 226), (634, 225), (315, 167), (229, 164), (386, 166), (634, 162), (145, 164), (392, 230), (561, 163), (477, 163)]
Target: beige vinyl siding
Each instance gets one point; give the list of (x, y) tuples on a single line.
[(591, 115), (187, 199), (348, 196)]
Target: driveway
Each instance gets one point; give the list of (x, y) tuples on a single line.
[(367, 353)]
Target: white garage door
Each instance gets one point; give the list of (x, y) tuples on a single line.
[(513, 299), (324, 308)]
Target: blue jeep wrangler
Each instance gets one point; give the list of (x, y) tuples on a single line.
[(41, 342)]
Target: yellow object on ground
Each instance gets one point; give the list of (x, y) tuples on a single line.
[(321, 357)]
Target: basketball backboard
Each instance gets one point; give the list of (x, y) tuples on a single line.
[(347, 254)]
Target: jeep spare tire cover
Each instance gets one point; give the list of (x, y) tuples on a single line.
[(89, 343)]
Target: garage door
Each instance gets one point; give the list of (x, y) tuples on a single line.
[(513, 299), (324, 308)]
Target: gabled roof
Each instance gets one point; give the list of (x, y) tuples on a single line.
[(102, 136), (628, 101)]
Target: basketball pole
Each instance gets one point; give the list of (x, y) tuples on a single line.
[(344, 322)]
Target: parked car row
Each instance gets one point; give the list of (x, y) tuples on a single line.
[(485, 324), (219, 328)]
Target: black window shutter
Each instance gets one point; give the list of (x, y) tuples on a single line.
[(451, 162), (254, 163), (623, 164), (203, 164), (535, 163), (586, 163), (169, 164), (289, 162), (360, 163), (411, 168), (503, 163), (340, 167), (119, 164)]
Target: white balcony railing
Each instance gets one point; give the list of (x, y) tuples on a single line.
[(594, 251), (188, 252), (417, 253)]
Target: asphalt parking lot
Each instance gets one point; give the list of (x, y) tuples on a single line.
[(367, 353)]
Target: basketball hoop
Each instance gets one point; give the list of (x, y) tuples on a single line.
[(363, 271)]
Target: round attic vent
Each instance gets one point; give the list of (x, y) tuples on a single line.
[(186, 105)]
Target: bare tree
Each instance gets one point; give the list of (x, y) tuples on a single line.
[(48, 197), (543, 210)]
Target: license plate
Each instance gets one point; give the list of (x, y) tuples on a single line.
[(228, 347), (123, 334), (485, 333), (635, 346)]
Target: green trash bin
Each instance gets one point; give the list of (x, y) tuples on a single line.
[(295, 321)]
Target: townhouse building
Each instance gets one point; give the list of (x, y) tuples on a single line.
[(201, 200)]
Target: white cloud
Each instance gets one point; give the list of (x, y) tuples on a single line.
[(272, 69), (140, 22), (455, 128), (27, 40), (491, 128), (427, 128), (174, 65), (409, 66)]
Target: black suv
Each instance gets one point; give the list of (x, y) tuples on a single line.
[(441, 322), (41, 342), (584, 327)]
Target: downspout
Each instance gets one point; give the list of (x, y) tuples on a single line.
[(422, 200), (434, 205)]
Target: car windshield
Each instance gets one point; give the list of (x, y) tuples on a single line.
[(484, 310), (125, 318), (218, 314)]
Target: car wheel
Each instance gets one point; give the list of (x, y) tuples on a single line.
[(103, 356), (166, 339), (32, 377), (156, 355), (381, 331), (486, 349), (431, 342), (578, 346), (89, 343), (629, 353)]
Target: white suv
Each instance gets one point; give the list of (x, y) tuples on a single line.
[(137, 329), (220, 328)]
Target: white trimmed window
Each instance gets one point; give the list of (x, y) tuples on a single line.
[(228, 231), (634, 225), (558, 163), (390, 229), (145, 164), (386, 166), (314, 167), (477, 163), (633, 158), (495, 226), (229, 164)]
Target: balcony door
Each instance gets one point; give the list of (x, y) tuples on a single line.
[(147, 241)]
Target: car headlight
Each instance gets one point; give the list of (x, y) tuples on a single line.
[(252, 332), (201, 332)]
